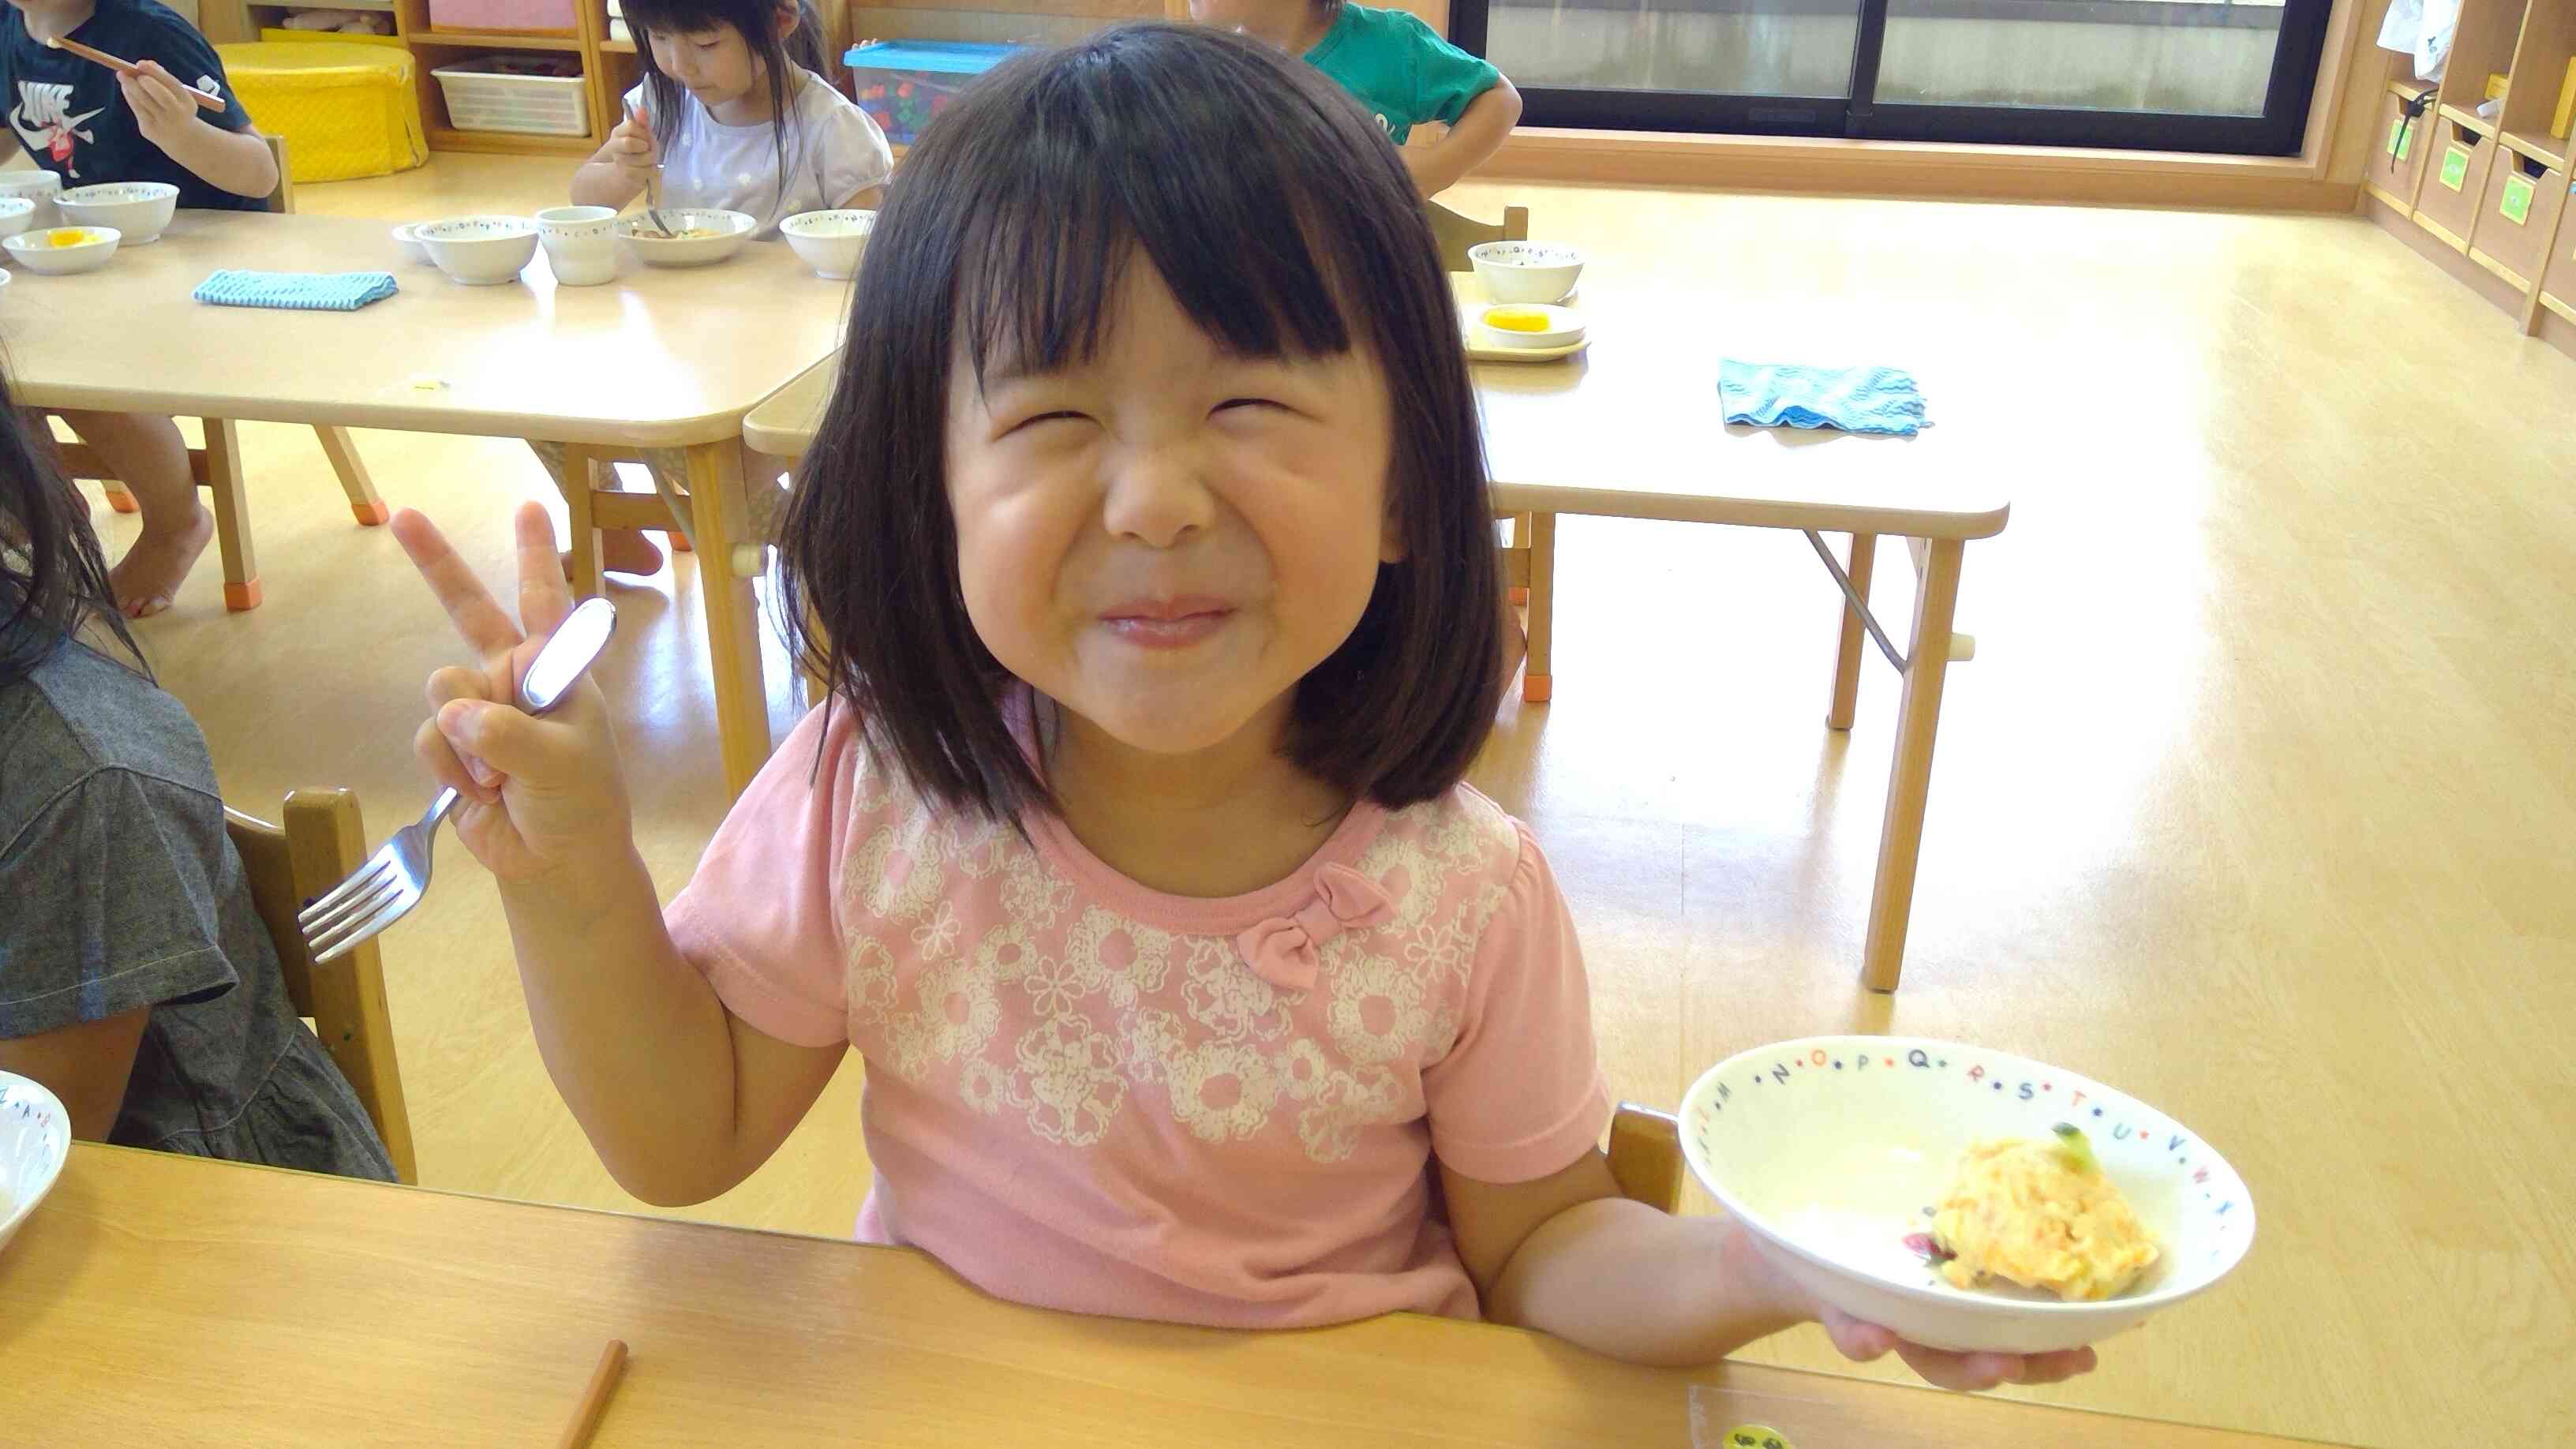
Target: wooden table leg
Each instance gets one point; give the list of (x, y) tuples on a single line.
[(583, 477), (1855, 640), (1900, 836), (1537, 679), (1520, 539), (232, 514), (352, 472), (733, 612)]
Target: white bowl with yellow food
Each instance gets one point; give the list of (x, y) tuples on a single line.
[(35, 1139), (689, 236), (1530, 325), (63, 251), (138, 210), (1908, 1182)]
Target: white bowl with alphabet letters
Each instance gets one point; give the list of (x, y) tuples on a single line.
[(1832, 1151)]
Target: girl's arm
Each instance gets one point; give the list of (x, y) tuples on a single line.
[(1567, 1255), (86, 1067), (681, 1099), (234, 161), (1480, 131), (615, 173), (866, 198)]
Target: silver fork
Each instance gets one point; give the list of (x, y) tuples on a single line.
[(392, 881)]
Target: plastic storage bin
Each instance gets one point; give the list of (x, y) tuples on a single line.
[(901, 84), (345, 110), (523, 94)]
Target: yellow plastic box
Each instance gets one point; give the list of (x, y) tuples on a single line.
[(346, 109)]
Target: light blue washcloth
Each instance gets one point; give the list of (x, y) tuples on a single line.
[(1854, 399), (297, 291)]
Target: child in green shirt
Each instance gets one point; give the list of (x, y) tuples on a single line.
[(1400, 69)]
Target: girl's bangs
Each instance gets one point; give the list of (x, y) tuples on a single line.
[(678, 17), (1246, 239)]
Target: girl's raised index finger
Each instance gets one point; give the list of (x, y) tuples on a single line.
[(470, 606), (544, 595)]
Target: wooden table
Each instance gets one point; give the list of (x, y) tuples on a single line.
[(172, 1301), (1630, 430), (657, 359)]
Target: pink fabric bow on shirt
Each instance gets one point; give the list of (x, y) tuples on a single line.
[(1284, 951)]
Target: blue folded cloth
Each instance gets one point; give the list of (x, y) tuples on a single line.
[(1854, 399), (297, 291)]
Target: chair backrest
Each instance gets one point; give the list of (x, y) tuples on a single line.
[(283, 198), (322, 841), (1646, 1156), (1456, 233)]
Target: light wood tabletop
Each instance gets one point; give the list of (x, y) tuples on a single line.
[(668, 358), (1599, 432), (1593, 434), (660, 357), (155, 1299)]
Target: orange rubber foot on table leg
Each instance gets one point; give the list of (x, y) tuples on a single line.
[(679, 542), (122, 502), (1535, 688), (1520, 594), (238, 597), (370, 514)]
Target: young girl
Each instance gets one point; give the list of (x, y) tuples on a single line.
[(1150, 557), (1397, 68), (733, 111), (136, 980)]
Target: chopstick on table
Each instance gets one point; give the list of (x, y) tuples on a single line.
[(594, 1400), (91, 52)]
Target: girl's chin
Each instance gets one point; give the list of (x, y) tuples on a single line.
[(1145, 722)]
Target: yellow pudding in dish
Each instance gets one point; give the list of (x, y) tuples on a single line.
[(1517, 319), (69, 238), (2042, 1215)]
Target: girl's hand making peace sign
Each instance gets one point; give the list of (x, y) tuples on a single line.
[(543, 797)]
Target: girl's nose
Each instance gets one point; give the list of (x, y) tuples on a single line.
[(1155, 496)]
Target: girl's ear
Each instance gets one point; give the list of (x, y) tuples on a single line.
[(1390, 536)]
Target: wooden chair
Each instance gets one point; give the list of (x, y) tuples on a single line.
[(322, 841), (217, 465), (1646, 1156), (1529, 560)]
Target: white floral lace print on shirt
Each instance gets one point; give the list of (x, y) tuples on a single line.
[(1065, 1014)]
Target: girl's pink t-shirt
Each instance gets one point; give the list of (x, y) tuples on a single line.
[(1088, 1095)]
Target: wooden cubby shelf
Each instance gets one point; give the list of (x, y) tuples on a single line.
[(2509, 231)]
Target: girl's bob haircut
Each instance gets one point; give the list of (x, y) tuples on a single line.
[(1284, 224)]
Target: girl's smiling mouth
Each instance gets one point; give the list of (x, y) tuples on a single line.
[(1173, 623)]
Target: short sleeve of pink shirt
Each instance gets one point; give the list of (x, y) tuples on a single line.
[(1092, 1096), (758, 919)]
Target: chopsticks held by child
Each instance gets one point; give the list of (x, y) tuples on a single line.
[(123, 67)]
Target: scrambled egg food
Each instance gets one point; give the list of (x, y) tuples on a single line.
[(2042, 1215), (69, 238)]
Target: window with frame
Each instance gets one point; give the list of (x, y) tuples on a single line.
[(2166, 75)]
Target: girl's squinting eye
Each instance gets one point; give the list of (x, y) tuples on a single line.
[(1233, 403), (1060, 415)]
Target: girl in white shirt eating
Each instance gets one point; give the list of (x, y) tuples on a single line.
[(733, 109)]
